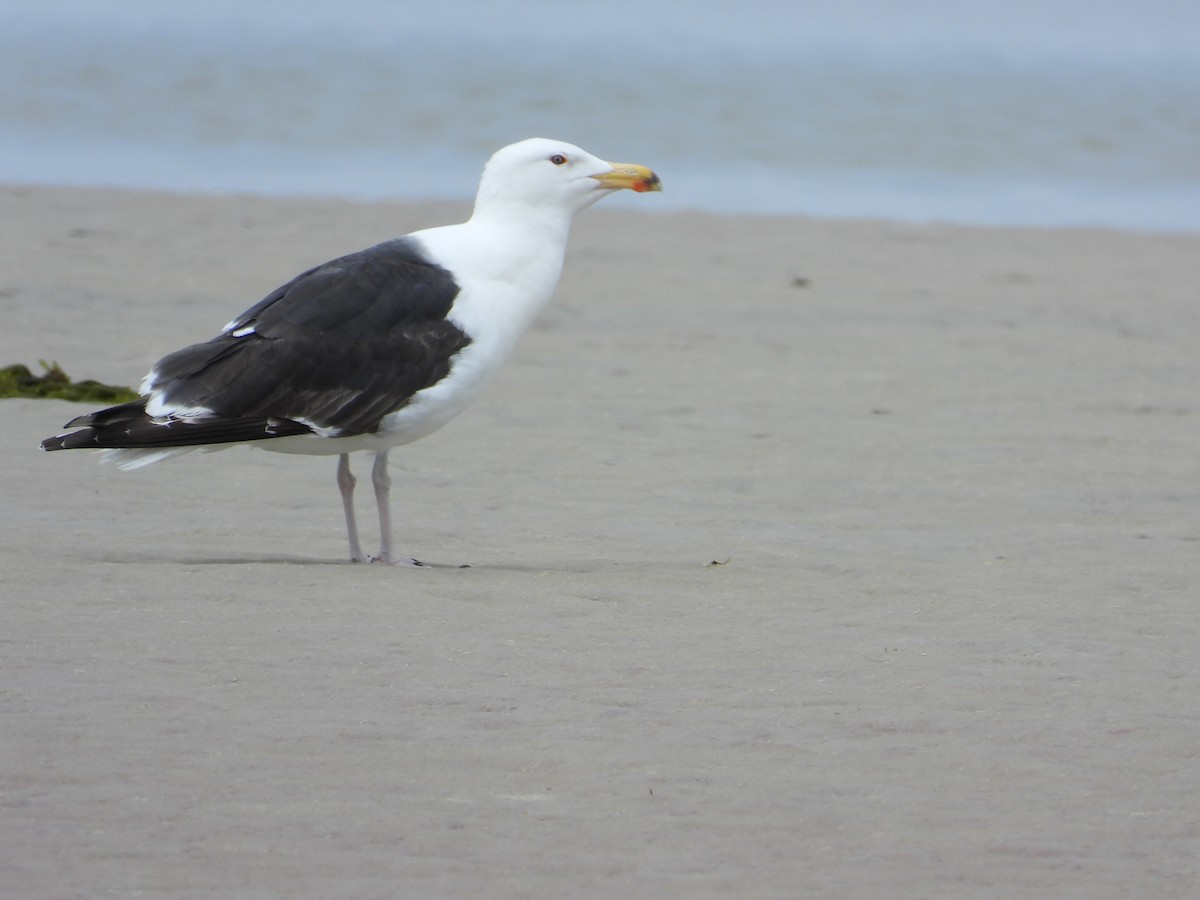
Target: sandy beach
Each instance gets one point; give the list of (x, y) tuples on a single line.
[(802, 559)]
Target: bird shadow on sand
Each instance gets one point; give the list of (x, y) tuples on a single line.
[(137, 559), (579, 566)]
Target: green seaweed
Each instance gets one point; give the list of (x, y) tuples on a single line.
[(55, 384)]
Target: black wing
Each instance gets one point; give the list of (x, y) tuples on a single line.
[(340, 346)]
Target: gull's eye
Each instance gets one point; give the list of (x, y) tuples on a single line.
[(558, 159)]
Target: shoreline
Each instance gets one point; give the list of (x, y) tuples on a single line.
[(633, 206), (948, 473)]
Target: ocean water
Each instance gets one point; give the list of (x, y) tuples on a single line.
[(1038, 112)]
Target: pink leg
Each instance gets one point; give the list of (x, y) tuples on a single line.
[(345, 483), (383, 486)]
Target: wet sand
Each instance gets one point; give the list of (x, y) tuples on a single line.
[(806, 559)]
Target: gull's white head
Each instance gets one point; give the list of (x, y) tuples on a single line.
[(555, 175)]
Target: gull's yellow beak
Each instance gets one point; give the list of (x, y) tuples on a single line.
[(629, 175)]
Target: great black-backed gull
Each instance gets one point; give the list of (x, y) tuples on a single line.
[(375, 349)]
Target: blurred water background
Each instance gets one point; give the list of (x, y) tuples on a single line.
[(1039, 112)]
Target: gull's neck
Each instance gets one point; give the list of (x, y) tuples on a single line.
[(512, 243)]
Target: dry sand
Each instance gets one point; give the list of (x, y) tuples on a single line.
[(952, 476)]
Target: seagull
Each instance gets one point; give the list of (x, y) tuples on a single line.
[(377, 348)]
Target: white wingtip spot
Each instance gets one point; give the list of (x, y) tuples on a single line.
[(158, 408)]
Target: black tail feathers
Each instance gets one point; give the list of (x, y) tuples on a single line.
[(128, 426)]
